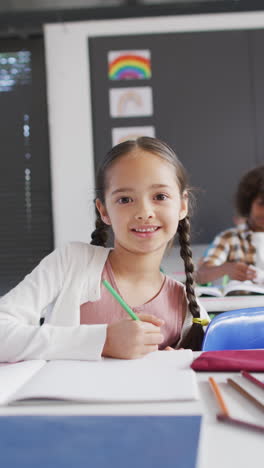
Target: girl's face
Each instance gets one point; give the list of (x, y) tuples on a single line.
[(142, 202), (256, 216)]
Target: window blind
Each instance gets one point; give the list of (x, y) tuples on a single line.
[(26, 234)]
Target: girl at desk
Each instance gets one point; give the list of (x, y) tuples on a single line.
[(239, 252), (142, 194)]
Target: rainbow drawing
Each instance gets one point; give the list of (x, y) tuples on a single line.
[(129, 65), (131, 102)]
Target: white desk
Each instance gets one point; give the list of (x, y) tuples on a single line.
[(221, 445)]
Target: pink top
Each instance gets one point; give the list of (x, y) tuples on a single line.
[(170, 304)]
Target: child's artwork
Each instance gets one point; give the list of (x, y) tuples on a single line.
[(129, 65), (131, 102), (120, 134)]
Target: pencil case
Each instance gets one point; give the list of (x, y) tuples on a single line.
[(230, 360)]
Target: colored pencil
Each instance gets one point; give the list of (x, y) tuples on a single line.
[(239, 422), (246, 394), (120, 300), (252, 379), (218, 396)]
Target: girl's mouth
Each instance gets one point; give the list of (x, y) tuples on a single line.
[(145, 231)]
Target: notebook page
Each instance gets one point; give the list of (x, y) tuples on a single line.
[(155, 378), (14, 375)]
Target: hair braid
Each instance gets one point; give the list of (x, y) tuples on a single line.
[(194, 338), (99, 235)]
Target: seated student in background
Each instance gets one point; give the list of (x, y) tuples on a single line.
[(142, 194), (239, 252)]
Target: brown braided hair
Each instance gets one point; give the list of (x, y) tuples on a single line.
[(99, 236), (194, 338)]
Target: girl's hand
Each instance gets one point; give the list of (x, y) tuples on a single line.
[(131, 339)]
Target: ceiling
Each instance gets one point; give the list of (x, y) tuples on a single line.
[(34, 5), (24, 18)]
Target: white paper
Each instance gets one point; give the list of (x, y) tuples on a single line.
[(161, 376), (243, 286), (13, 376), (120, 134)]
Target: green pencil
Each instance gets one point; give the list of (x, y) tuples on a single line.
[(120, 300)]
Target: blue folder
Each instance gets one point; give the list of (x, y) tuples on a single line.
[(99, 441)]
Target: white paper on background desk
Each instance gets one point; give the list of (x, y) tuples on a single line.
[(160, 376), (222, 304)]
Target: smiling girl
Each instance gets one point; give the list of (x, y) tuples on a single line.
[(141, 192)]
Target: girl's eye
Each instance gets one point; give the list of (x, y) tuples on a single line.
[(124, 200), (161, 196)]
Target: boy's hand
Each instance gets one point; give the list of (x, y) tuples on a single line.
[(259, 278), (130, 339), (240, 271)]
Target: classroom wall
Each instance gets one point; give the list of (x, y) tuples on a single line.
[(71, 114), (203, 94)]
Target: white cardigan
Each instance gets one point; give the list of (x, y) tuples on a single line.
[(56, 288)]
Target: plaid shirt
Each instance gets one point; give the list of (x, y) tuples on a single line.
[(232, 245)]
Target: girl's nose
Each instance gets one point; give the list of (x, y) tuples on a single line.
[(144, 216), (144, 212)]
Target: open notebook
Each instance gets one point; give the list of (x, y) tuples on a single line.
[(159, 376), (231, 288)]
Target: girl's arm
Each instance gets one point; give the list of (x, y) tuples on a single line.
[(21, 336)]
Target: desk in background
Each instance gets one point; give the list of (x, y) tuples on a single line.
[(173, 266), (222, 304)]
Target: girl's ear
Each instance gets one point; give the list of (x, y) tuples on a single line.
[(184, 205), (102, 210)]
